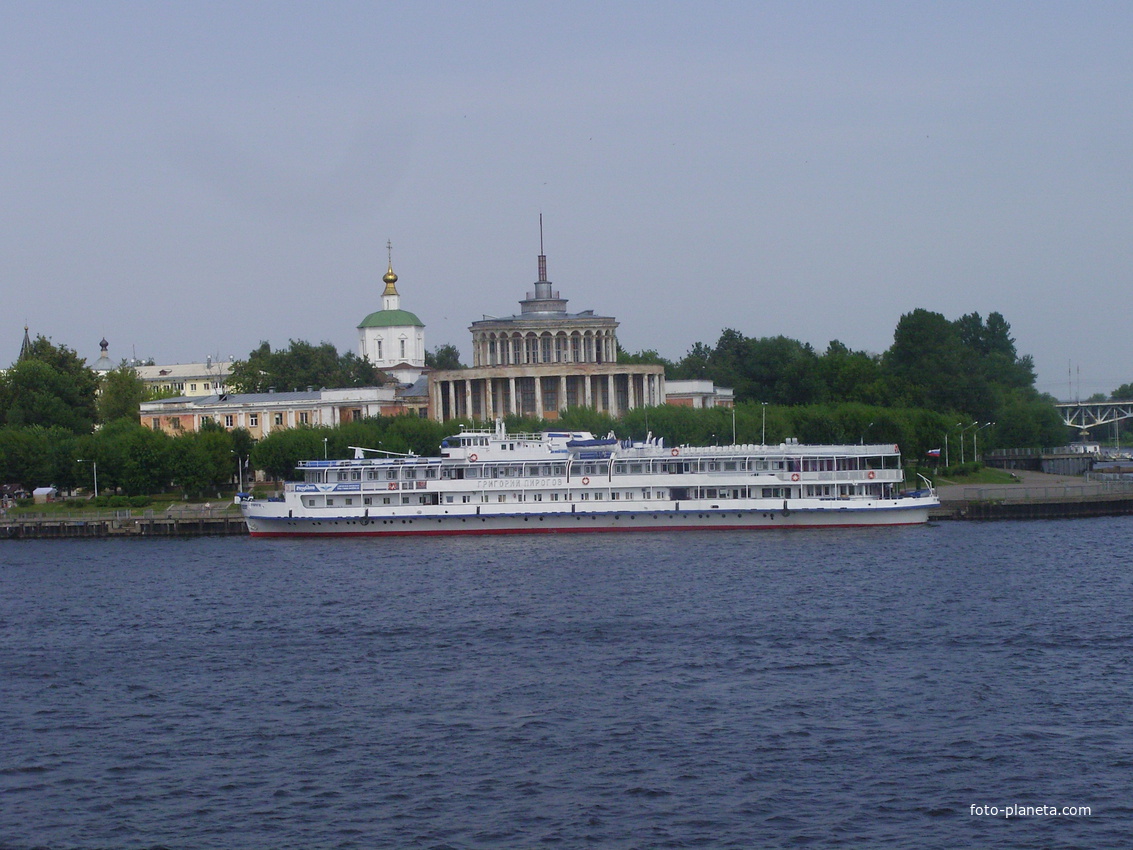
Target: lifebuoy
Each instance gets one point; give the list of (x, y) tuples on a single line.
[(392, 486), (585, 480), (472, 457), (675, 452), (897, 449), (871, 474), (795, 476)]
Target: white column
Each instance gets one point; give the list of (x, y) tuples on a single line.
[(513, 405), (562, 392), (612, 403), (451, 399), (588, 400), (468, 398), (538, 396)]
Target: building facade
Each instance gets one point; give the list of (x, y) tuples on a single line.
[(187, 379), (698, 393), (542, 361), (262, 413)]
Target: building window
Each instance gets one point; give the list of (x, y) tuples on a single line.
[(156, 423), (253, 420), (193, 387), (379, 351), (302, 417), (175, 423), (278, 419), (228, 420), (403, 349)]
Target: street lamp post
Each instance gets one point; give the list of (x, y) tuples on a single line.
[(962, 430), (325, 447), (975, 453), (94, 466), (763, 437)]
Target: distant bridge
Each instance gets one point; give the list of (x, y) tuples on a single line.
[(1085, 415)]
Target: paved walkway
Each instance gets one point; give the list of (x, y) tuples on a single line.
[(1030, 485)]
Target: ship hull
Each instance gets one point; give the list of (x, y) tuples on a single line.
[(266, 523)]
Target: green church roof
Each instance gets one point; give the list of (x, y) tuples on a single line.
[(390, 319)]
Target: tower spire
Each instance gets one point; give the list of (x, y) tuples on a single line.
[(25, 346), (542, 256)]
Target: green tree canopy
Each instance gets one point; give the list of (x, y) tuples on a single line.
[(444, 357), (299, 366), (122, 392), (49, 386)]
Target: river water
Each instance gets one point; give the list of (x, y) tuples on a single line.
[(823, 688)]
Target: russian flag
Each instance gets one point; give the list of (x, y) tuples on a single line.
[(933, 453)]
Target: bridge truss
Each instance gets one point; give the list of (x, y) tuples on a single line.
[(1086, 415)]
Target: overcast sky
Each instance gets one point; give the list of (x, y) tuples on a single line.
[(189, 179)]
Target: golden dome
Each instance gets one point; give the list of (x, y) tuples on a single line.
[(390, 278)]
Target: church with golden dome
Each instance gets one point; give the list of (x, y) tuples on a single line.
[(391, 338)]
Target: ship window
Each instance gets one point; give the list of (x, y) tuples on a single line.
[(598, 497), (729, 466), (430, 473), (310, 503), (409, 474), (349, 502), (405, 500), (614, 496), (635, 467), (367, 500), (554, 497), (538, 497), (448, 500), (385, 500), (355, 475), (501, 498), (584, 496), (391, 473)]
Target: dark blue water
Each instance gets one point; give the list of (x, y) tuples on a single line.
[(777, 689)]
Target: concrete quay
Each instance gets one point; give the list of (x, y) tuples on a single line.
[(1035, 495), (122, 524)]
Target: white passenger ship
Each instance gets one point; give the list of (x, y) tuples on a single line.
[(492, 482)]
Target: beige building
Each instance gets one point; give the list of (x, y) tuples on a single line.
[(541, 361), (698, 393), (188, 379), (262, 413)]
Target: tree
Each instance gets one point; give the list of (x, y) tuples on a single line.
[(443, 358), (301, 365), (122, 394), (49, 385)]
